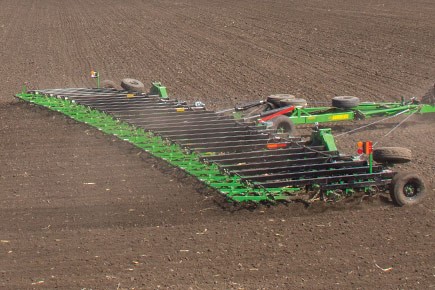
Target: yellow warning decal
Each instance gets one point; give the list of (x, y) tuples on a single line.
[(130, 96), (180, 109), (340, 117)]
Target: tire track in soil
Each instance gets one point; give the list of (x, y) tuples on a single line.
[(271, 28), (316, 70), (185, 45), (233, 56), (153, 54), (357, 74)]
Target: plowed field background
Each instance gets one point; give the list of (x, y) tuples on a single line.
[(82, 210)]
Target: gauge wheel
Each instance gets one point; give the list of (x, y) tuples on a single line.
[(132, 85), (407, 188), (392, 155), (345, 102), (283, 125)]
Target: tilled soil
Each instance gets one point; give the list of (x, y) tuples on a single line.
[(83, 210)]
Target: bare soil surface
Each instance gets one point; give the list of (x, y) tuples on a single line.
[(83, 210)]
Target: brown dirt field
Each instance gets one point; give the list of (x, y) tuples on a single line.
[(83, 210)]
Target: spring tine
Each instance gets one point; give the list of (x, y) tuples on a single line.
[(305, 174), (260, 153), (294, 168), (323, 180)]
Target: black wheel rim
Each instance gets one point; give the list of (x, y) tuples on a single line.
[(283, 128), (411, 189)]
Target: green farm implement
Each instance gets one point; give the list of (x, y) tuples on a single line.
[(243, 159), (285, 112)]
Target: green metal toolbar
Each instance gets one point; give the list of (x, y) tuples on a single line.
[(313, 115)]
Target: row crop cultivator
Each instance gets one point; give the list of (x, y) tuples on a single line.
[(244, 160)]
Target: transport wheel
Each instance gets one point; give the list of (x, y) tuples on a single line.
[(392, 155), (108, 84), (270, 106), (294, 102), (345, 101), (132, 85), (283, 125), (276, 99), (407, 188)]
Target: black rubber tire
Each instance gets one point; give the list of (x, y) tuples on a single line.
[(276, 99), (392, 155), (293, 102), (283, 125), (132, 85), (270, 106), (407, 188), (108, 84), (345, 102)]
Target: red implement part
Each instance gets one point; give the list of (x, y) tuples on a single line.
[(282, 112), (272, 146)]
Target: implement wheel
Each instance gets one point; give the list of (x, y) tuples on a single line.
[(283, 125), (345, 102), (270, 106), (276, 99), (108, 84), (132, 85), (407, 188), (294, 102), (392, 155)]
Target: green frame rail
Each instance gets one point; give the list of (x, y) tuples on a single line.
[(365, 110)]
